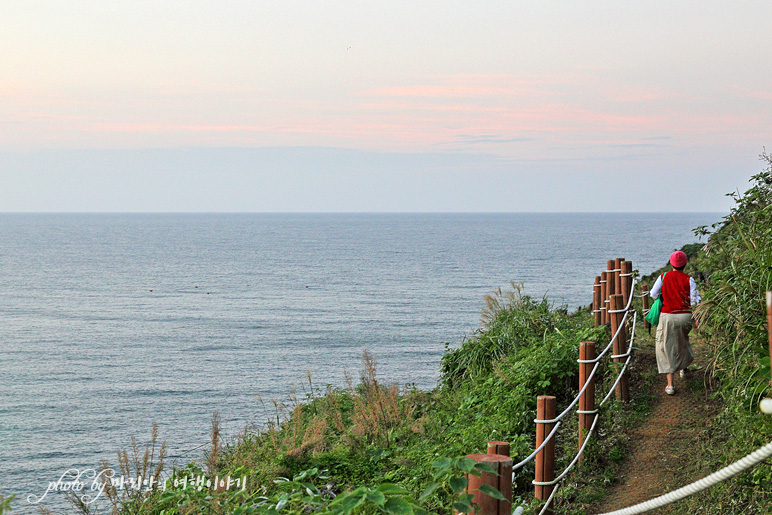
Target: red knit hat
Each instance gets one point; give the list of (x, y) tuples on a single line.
[(678, 259)]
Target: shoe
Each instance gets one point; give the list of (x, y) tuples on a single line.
[(670, 390), (682, 373)]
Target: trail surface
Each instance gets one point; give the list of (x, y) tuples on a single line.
[(664, 447)]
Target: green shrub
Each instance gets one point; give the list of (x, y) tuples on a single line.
[(737, 261)]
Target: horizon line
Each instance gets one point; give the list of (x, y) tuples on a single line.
[(348, 212)]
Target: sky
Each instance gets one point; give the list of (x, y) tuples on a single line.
[(263, 105)]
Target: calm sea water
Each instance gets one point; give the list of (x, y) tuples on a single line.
[(109, 323)]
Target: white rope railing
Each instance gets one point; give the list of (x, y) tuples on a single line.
[(751, 460), (557, 420), (725, 473), (629, 355), (573, 462), (597, 359), (535, 452), (745, 463), (556, 482)]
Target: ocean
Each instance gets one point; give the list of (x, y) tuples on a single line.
[(111, 322)]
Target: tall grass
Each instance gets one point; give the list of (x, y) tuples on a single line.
[(510, 320), (736, 271), (738, 261), (136, 463)]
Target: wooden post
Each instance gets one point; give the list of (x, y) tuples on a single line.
[(645, 299), (611, 282), (603, 296), (611, 287), (614, 326), (610, 291), (618, 347), (487, 505), (627, 280), (496, 447), (624, 334), (618, 274), (545, 459), (596, 312), (587, 400)]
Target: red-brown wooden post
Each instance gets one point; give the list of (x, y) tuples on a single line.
[(545, 459), (596, 301), (614, 326), (618, 274), (627, 280), (611, 283), (587, 399), (645, 299), (618, 347), (497, 447), (502, 481), (603, 296), (610, 288), (624, 333)]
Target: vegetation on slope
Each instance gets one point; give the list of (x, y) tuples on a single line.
[(375, 447), (737, 267), (733, 271)]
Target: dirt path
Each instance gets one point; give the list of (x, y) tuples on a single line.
[(667, 441)]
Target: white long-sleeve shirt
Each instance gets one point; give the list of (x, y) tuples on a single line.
[(693, 293)]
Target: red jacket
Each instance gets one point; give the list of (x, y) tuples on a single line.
[(676, 293)]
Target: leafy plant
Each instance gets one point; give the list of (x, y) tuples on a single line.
[(5, 503), (450, 474), (738, 260)]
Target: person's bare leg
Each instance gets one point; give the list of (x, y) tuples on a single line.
[(670, 389)]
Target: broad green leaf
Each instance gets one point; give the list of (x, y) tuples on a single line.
[(465, 464), (489, 490), (486, 467), (428, 491), (442, 465), (463, 507), (466, 498), (458, 484), (392, 489), (397, 506), (351, 502), (376, 497)]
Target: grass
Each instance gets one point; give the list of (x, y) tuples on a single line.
[(375, 447), (733, 270), (350, 442)]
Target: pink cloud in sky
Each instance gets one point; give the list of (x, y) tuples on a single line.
[(156, 128), (500, 113), (444, 92)]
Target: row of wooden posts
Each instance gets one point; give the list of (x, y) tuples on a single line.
[(615, 279), (610, 296), (611, 293)]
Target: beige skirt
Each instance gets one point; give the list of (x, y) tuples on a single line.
[(674, 352)]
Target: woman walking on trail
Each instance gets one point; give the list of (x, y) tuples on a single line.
[(679, 293)]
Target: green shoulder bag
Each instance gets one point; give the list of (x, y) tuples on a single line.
[(652, 316)]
